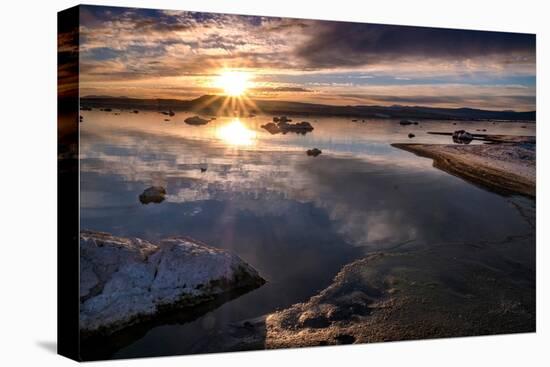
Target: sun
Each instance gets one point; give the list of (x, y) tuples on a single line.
[(233, 83)]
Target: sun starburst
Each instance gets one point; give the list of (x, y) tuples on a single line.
[(233, 83)]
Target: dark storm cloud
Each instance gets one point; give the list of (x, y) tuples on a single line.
[(336, 44)]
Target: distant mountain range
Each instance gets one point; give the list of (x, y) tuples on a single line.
[(227, 106)]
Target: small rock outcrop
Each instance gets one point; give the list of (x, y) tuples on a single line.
[(153, 194), (126, 280), (314, 152), (300, 127), (281, 125), (272, 128), (196, 120), (411, 135), (462, 137)]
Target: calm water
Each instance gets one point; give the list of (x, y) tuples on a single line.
[(297, 219)]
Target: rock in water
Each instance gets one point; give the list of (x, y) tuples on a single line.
[(284, 119), (126, 280), (272, 128), (462, 137), (411, 135), (313, 152), (196, 120), (153, 194), (299, 128)]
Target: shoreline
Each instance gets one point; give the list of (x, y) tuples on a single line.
[(396, 296), (505, 168)]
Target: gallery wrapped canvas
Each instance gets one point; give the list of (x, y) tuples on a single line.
[(232, 183)]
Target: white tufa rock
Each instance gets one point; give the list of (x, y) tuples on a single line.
[(123, 280)]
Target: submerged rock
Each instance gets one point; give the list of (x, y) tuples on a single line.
[(393, 296), (314, 152), (196, 120), (153, 194), (126, 280)]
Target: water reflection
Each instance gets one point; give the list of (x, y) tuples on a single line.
[(297, 220), (236, 133)]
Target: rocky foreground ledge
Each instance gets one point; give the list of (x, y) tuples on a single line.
[(431, 292), (506, 168), (127, 280)]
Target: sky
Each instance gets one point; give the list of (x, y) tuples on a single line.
[(147, 53)]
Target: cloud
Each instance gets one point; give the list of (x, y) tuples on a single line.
[(449, 100), (337, 44), (142, 52), (281, 89)]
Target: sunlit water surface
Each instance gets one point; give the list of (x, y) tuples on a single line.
[(295, 218)]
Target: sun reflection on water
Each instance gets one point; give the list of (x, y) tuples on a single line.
[(236, 133)]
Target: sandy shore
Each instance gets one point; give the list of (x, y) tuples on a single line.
[(506, 168)]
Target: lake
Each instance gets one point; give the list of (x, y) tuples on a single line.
[(297, 219)]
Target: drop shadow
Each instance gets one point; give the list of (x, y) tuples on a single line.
[(48, 345)]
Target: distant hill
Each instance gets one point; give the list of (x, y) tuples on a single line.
[(226, 106)]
